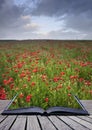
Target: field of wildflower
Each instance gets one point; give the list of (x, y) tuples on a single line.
[(45, 72)]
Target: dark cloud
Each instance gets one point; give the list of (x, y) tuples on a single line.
[(13, 21), (60, 7), (77, 13), (1, 3), (10, 18), (9, 13), (81, 22)]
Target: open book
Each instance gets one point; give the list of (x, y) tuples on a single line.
[(55, 110)]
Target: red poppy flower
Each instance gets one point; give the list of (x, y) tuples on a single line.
[(21, 95), (22, 75), (68, 87), (28, 98), (88, 83), (16, 71), (33, 83), (46, 99), (19, 65), (72, 77), (44, 77), (11, 86), (2, 94), (35, 70), (56, 79), (69, 94), (11, 79), (5, 82), (62, 73), (81, 79)]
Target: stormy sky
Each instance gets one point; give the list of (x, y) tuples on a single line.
[(45, 19)]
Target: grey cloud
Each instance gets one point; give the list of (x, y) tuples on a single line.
[(9, 13), (1, 3), (13, 20), (77, 13), (59, 7), (81, 22)]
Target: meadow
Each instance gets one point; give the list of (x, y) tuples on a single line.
[(45, 73)]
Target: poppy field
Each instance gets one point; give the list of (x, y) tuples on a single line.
[(45, 73)]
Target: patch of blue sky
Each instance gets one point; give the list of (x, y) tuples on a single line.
[(47, 24)]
